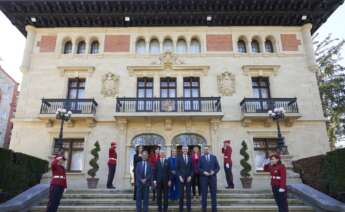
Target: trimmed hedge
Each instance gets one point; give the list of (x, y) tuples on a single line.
[(325, 173), (19, 172)]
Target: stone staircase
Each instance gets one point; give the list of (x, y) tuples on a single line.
[(98, 200)]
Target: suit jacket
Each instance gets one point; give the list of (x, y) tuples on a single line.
[(208, 166), (162, 172), (182, 169), (140, 173)]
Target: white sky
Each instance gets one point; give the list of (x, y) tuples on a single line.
[(12, 42)]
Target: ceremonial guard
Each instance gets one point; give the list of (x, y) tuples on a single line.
[(209, 167), (184, 171), (143, 180), (162, 181), (112, 165), (278, 181), (227, 152), (58, 184)]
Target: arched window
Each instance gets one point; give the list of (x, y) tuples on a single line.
[(140, 46), (148, 140), (188, 139), (67, 48), (94, 49), (255, 46), (168, 45), (269, 46), (195, 46), (154, 46), (181, 46), (81, 47), (241, 46)]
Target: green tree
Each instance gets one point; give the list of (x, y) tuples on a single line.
[(245, 172), (93, 162), (331, 82)]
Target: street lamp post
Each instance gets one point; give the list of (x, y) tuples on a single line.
[(278, 114), (63, 115)]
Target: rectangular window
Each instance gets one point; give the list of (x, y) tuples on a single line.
[(168, 92), (144, 94), (191, 92), (261, 90), (74, 154), (263, 148), (76, 88)]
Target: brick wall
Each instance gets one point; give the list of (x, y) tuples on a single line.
[(47, 43), (116, 43), (290, 42), (219, 42)]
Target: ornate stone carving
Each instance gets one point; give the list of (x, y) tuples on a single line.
[(226, 83), (167, 60), (110, 85)]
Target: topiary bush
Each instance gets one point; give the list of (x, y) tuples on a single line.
[(245, 172), (93, 162)]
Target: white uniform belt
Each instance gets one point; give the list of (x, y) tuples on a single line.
[(276, 177), (225, 156), (112, 158), (59, 177)]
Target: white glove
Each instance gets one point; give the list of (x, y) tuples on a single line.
[(281, 190), (227, 165)]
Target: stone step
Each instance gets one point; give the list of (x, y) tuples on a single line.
[(130, 196), (129, 191), (118, 202), (237, 208)]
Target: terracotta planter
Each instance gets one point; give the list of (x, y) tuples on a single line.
[(92, 182), (246, 182)]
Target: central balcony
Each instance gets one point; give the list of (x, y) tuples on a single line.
[(180, 106)]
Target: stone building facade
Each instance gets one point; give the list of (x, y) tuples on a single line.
[(8, 98), (169, 84)]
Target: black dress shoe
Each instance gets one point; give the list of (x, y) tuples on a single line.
[(110, 187)]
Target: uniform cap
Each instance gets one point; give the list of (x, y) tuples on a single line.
[(275, 156), (227, 142), (113, 143)]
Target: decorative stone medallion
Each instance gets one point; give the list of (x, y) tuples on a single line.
[(110, 85), (226, 83)]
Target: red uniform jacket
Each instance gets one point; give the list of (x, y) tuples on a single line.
[(227, 155), (59, 174), (112, 156), (153, 159), (278, 175)]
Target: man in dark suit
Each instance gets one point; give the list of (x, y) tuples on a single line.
[(162, 181), (209, 167), (184, 172), (143, 182)]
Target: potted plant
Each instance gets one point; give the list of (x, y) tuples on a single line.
[(246, 179), (92, 181)]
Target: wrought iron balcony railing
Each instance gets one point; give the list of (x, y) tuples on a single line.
[(263, 105), (179, 104), (77, 106)]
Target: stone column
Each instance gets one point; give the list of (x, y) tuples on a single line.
[(123, 152), (308, 47), (29, 45), (156, 86), (179, 84)]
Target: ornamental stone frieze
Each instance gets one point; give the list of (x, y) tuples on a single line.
[(226, 83), (110, 85)]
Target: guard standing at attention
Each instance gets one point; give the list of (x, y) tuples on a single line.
[(227, 152), (58, 184), (278, 181), (112, 165)]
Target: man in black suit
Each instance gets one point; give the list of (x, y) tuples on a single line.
[(143, 182), (162, 181), (209, 167), (184, 172)]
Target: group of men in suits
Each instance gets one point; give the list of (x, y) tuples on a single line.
[(161, 178)]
